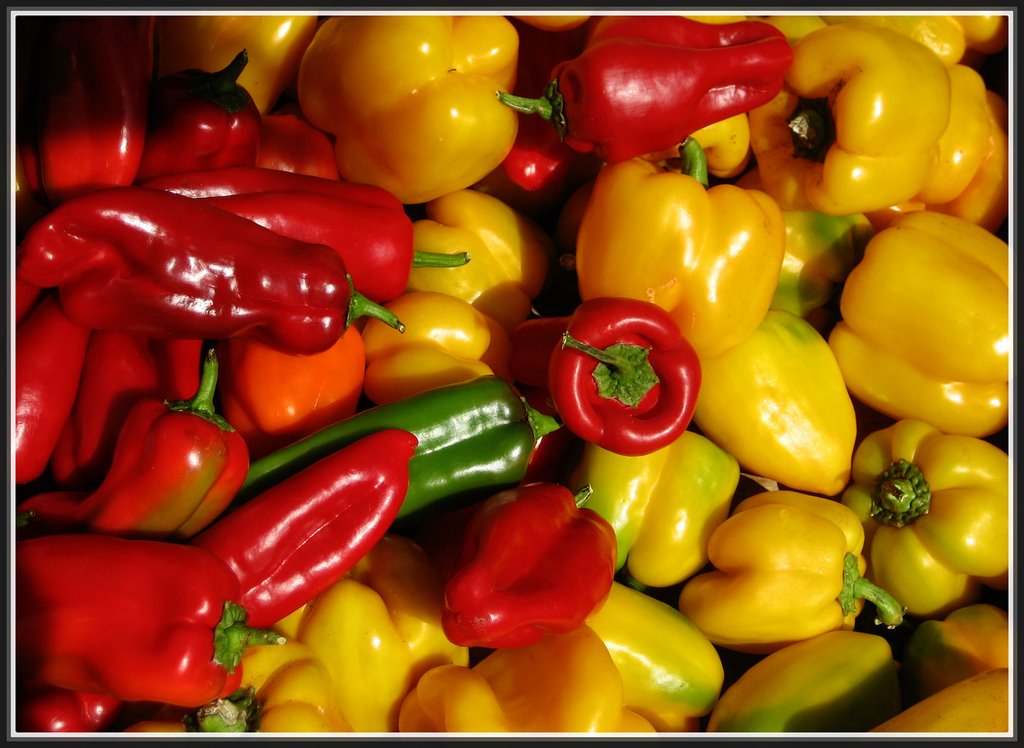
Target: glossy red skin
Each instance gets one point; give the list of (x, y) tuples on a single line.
[(49, 353), (289, 143), (531, 564), (295, 539), (134, 619), (52, 709), (533, 341), (663, 414), (25, 297), (163, 265)]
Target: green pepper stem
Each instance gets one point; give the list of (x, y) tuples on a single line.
[(234, 713), (201, 404), (541, 423), (623, 372), (900, 495), (232, 636), (541, 106), (694, 160), (222, 86), (601, 354), (855, 587), (422, 259), (22, 519), (583, 494), (360, 306)]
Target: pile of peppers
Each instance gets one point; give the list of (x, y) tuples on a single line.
[(541, 374)]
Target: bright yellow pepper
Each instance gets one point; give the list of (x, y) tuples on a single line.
[(979, 704), (446, 340), (726, 145), (938, 348), (561, 683), (935, 509), (857, 126), (411, 100), (794, 27), (778, 403), (275, 45), (985, 33), (710, 257), (943, 35), (663, 506), (671, 673), (509, 254), (788, 567)]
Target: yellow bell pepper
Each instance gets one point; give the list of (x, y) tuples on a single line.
[(788, 567), (446, 340), (726, 145), (938, 348), (985, 33), (943, 35), (935, 509), (671, 673), (561, 683), (839, 681), (275, 45), (663, 506), (857, 126), (778, 403), (979, 704), (968, 641), (411, 100), (509, 254), (711, 257), (794, 27), (377, 630)]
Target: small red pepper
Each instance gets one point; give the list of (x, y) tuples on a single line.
[(200, 120), (44, 708), (624, 377), (300, 536), (532, 563), (643, 84), (165, 265), (288, 142), (141, 620)]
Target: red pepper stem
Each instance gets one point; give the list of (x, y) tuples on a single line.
[(695, 161), (201, 404), (583, 494), (855, 587), (601, 354), (222, 86), (526, 105), (360, 306), (623, 374), (423, 259), (232, 636)]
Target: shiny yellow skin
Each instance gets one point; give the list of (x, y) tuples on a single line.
[(778, 403), (794, 27), (778, 562), (920, 354), (985, 33), (509, 254), (710, 257), (663, 506), (275, 45), (411, 100), (886, 141), (943, 35), (377, 630), (726, 146), (446, 340), (979, 704), (671, 673), (838, 681), (561, 683), (936, 563)]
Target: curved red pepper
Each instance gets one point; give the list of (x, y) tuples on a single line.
[(141, 620), (200, 120), (164, 265), (301, 535), (624, 377), (645, 83), (50, 709), (288, 142), (532, 563)]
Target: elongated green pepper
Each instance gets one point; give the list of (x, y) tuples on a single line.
[(475, 437)]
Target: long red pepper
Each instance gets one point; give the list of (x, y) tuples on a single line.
[(289, 143)]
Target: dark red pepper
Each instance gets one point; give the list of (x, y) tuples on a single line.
[(140, 620), (168, 266), (298, 537), (288, 142), (532, 342), (200, 120), (556, 452), (532, 563), (624, 377), (44, 708), (643, 84), (25, 297)]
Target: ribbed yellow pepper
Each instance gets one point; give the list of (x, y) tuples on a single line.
[(777, 402), (979, 704), (411, 100), (509, 254), (663, 506), (561, 683), (925, 324), (710, 257), (844, 135), (446, 340), (943, 35), (671, 673), (275, 45), (985, 33), (935, 509), (788, 567), (839, 681)]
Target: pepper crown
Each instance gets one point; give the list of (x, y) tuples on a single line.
[(623, 372), (360, 306), (222, 86), (540, 423), (550, 106), (201, 404), (900, 495), (812, 128), (232, 636), (235, 713), (855, 587)]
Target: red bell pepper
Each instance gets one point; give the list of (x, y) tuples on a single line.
[(44, 708), (532, 563), (164, 265), (120, 368), (300, 536), (141, 620), (49, 353), (624, 377), (643, 84), (200, 120), (288, 142), (532, 343)]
